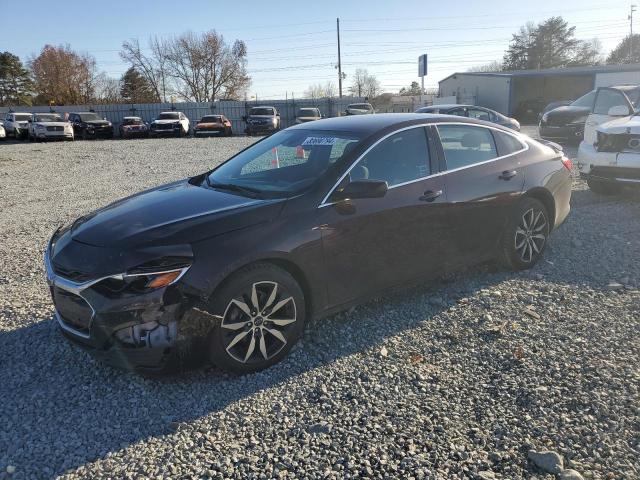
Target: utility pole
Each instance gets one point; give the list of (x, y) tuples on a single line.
[(339, 60), (630, 18)]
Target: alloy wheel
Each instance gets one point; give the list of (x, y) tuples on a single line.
[(257, 322), (531, 234)]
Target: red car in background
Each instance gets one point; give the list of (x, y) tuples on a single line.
[(133, 127), (213, 125)]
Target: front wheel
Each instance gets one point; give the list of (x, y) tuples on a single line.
[(262, 311), (526, 234), (602, 187)]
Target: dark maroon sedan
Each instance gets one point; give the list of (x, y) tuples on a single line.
[(229, 265)]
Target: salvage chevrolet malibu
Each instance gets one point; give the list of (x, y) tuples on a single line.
[(229, 264)]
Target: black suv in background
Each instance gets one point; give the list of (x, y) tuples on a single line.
[(262, 120), (88, 125), (566, 123)]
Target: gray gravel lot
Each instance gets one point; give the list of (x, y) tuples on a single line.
[(456, 379)]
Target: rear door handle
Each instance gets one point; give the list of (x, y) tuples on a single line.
[(430, 195), (507, 175)]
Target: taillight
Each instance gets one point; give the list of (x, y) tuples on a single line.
[(566, 161)]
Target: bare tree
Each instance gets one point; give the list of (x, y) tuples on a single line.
[(63, 76), (152, 67), (328, 90), (107, 89), (494, 66), (364, 84), (206, 68)]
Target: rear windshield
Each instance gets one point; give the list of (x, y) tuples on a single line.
[(261, 111), (169, 116), (211, 119)]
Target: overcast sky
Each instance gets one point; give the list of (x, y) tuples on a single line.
[(292, 44)]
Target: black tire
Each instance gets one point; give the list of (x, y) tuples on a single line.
[(602, 187), (246, 348), (525, 236)]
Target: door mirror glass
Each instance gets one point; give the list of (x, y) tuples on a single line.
[(619, 111), (362, 189)]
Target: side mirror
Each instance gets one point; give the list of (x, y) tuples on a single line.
[(362, 189), (619, 111), (277, 114)]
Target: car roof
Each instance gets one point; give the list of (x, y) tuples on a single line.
[(131, 118), (369, 124), (263, 106)]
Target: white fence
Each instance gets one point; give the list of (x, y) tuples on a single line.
[(234, 111)]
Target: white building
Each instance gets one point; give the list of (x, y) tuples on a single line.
[(506, 91)]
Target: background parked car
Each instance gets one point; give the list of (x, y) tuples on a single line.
[(88, 125), (264, 119), (552, 106), (49, 126), (308, 115), (473, 111), (17, 125), (170, 124), (566, 123), (3, 132), (609, 155), (359, 109), (213, 125), (133, 127)]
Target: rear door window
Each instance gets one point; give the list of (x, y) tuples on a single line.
[(466, 145), (507, 144)]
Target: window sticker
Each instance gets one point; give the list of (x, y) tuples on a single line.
[(311, 141)]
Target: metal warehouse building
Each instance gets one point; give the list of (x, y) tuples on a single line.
[(505, 91)]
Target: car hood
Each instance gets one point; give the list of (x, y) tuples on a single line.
[(621, 125), (209, 125), (164, 122), (568, 112), (52, 124), (179, 212)]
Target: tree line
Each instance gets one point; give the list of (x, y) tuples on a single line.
[(552, 44), (199, 67)]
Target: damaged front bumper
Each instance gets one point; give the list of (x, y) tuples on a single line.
[(146, 332), (621, 167)]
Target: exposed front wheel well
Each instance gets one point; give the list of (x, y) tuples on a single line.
[(546, 198), (290, 268)]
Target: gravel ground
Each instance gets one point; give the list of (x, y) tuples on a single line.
[(465, 378)]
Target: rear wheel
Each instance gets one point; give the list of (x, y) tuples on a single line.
[(602, 187), (525, 237), (262, 313)]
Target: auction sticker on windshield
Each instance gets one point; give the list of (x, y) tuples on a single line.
[(319, 141)]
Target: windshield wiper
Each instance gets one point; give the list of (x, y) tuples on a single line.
[(236, 188)]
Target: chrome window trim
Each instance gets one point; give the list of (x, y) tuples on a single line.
[(525, 147)]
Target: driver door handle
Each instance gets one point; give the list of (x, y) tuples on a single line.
[(507, 175), (430, 195)]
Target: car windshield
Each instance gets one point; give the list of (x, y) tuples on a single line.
[(88, 117), (585, 100), (169, 116), (132, 121), (284, 163), (211, 119), (22, 117), (261, 111), (48, 118), (309, 112)]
